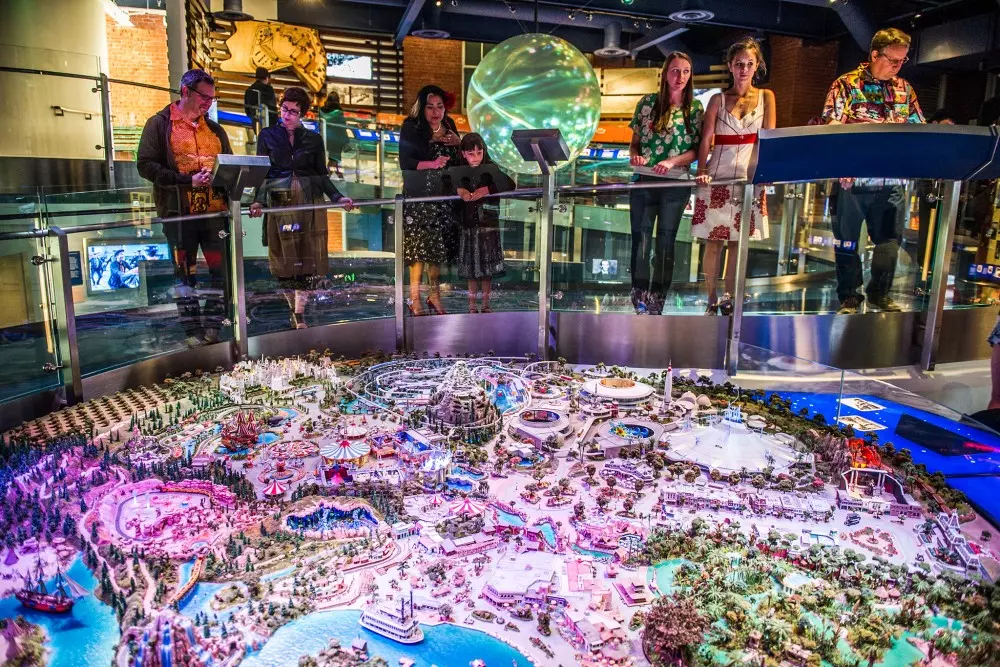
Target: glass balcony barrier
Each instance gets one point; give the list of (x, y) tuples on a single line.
[(792, 265), (322, 265), (31, 342), (146, 286), (472, 257)]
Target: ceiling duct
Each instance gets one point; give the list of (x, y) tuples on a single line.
[(232, 10), (612, 42), (430, 25), (692, 11)]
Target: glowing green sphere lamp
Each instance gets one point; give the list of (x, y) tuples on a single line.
[(533, 81)]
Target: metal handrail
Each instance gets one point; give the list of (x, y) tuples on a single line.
[(117, 224), (39, 233)]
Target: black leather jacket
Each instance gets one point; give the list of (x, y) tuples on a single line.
[(306, 159)]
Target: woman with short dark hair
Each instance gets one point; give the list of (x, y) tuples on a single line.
[(297, 241), (428, 140)]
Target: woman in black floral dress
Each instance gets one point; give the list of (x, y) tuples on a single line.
[(428, 140)]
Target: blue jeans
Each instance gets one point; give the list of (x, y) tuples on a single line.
[(652, 264), (882, 208)]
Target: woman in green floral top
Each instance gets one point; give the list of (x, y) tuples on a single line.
[(666, 131)]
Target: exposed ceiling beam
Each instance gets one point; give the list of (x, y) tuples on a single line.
[(410, 15), (654, 37)]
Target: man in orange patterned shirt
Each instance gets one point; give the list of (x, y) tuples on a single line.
[(176, 153)]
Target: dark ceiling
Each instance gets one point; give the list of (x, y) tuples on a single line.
[(582, 22)]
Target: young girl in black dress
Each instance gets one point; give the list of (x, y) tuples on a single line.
[(480, 257)]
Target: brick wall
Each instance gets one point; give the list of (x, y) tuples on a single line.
[(801, 74), (137, 53), (437, 61)]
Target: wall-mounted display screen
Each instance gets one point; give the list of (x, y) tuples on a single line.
[(116, 266), (604, 267), (347, 66)]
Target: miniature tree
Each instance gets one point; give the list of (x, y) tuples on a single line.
[(871, 637), (673, 629)]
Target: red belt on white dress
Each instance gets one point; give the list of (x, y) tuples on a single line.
[(735, 139)]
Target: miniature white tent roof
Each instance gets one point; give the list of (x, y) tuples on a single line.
[(466, 506), (275, 488), (436, 500), (346, 450)]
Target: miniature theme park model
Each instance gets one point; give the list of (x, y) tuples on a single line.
[(479, 511)]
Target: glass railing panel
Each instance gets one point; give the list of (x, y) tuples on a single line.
[(842, 246), (29, 335), (974, 269), (592, 266), (310, 268), (761, 368), (475, 256), (147, 288)]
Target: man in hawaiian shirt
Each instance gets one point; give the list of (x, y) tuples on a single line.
[(872, 93)]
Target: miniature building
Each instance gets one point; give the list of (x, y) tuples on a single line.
[(876, 491), (951, 530), (629, 471), (468, 545), (530, 578)]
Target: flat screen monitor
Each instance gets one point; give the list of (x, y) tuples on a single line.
[(112, 267), (347, 66), (604, 267)]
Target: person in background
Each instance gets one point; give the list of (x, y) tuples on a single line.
[(480, 257), (261, 94), (297, 241), (927, 192), (428, 139), (336, 132), (872, 93), (729, 131), (176, 153), (666, 133)]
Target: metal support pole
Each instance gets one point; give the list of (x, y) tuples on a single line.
[(241, 343), (742, 252), (943, 239), (380, 162), (543, 259), (398, 302), (787, 235), (66, 324), (109, 149)]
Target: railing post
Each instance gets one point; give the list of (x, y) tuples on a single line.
[(787, 235), (543, 259), (380, 162), (241, 343), (66, 323), (943, 238), (104, 87), (742, 252), (398, 270)]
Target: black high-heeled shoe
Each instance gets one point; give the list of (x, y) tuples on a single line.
[(436, 307)]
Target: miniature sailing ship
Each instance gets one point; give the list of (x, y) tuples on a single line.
[(35, 594)]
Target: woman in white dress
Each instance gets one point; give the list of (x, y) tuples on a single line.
[(731, 124)]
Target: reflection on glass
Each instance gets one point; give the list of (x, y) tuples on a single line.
[(351, 256), (974, 274)]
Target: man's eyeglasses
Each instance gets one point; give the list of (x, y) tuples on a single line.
[(291, 112), (207, 98), (895, 62)]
